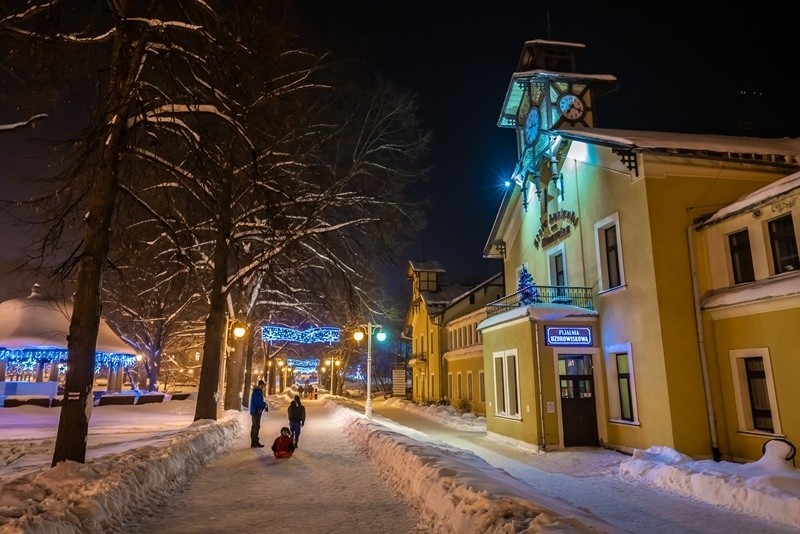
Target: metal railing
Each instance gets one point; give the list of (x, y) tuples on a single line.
[(536, 295)]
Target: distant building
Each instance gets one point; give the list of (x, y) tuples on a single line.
[(441, 323)]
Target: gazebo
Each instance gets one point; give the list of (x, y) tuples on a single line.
[(33, 345)]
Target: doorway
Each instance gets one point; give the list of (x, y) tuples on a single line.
[(578, 410)]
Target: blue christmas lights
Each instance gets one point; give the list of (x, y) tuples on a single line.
[(323, 334), (27, 360)]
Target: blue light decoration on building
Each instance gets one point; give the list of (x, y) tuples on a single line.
[(27, 359), (322, 334)]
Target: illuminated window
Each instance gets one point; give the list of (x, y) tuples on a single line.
[(741, 257), (621, 384), (506, 390), (609, 253), (784, 245), (754, 391)]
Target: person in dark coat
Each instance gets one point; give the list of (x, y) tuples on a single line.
[(257, 406), (283, 446), (297, 418)]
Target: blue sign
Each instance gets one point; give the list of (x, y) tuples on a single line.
[(568, 336)]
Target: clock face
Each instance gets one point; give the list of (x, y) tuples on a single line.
[(571, 107), (532, 123)]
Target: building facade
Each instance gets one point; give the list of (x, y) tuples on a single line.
[(603, 347)]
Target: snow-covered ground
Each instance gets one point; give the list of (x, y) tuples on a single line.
[(137, 455)]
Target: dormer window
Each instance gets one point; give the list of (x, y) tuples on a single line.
[(427, 281)]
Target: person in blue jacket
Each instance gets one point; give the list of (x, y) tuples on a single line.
[(257, 406)]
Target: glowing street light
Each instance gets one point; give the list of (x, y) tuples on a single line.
[(380, 336)]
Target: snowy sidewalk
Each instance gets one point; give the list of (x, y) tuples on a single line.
[(327, 486)]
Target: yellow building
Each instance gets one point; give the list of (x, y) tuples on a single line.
[(604, 349), (748, 280), (441, 323)]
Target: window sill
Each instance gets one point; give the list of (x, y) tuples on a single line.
[(624, 422), (623, 287), (508, 417), (759, 434)]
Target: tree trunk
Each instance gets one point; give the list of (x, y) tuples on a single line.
[(208, 393), (234, 370), (248, 372)]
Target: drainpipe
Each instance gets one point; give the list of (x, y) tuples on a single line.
[(539, 379), (701, 345)]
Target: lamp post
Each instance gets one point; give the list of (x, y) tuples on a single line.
[(380, 336), (238, 331)]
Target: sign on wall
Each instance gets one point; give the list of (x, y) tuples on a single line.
[(568, 336)]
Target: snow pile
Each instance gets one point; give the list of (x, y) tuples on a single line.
[(452, 493), (768, 488), (99, 495), (446, 415)]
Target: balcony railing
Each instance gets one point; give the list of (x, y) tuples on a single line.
[(537, 295)]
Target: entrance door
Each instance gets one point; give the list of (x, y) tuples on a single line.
[(578, 415)]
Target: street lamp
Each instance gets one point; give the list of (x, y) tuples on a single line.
[(238, 331), (380, 336)]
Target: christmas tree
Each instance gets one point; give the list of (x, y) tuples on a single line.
[(527, 288)]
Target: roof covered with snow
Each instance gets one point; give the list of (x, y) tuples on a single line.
[(758, 197), (538, 312), (784, 285), (41, 322), (784, 147)]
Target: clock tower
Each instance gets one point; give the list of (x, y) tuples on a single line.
[(545, 95)]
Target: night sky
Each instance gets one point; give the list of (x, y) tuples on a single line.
[(681, 67)]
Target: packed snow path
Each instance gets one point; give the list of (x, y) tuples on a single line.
[(586, 480), (327, 486)]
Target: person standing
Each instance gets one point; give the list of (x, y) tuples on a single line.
[(297, 418), (257, 406)]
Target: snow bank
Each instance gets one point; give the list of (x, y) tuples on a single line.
[(768, 488), (446, 415), (450, 495), (98, 496)]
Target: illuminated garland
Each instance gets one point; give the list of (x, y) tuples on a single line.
[(324, 334), (28, 360)]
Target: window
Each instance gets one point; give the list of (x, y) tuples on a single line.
[(449, 385), (754, 391), (621, 384), (470, 385), (624, 384), (784, 245), (427, 281), (759, 396), (741, 257), (609, 253), (459, 388), (432, 394), (506, 390), (558, 274), (481, 386)]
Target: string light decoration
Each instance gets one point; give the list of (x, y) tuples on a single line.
[(304, 367), (28, 359), (323, 334)]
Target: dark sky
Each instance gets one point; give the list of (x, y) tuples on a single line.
[(681, 67)]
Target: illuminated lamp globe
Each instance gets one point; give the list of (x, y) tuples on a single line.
[(358, 335), (380, 336), (238, 331)]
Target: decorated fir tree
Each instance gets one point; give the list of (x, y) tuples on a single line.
[(527, 288)]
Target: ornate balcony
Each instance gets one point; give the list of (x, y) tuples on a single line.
[(539, 295)]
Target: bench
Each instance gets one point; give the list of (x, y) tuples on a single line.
[(150, 399), (116, 400), (179, 396), (13, 403)]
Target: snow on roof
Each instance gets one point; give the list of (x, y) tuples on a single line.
[(41, 322), (432, 265), (759, 196), (785, 147), (538, 312), (780, 286), (443, 297), (557, 43)]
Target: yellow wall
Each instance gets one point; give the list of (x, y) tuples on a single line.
[(464, 366), (778, 332)]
